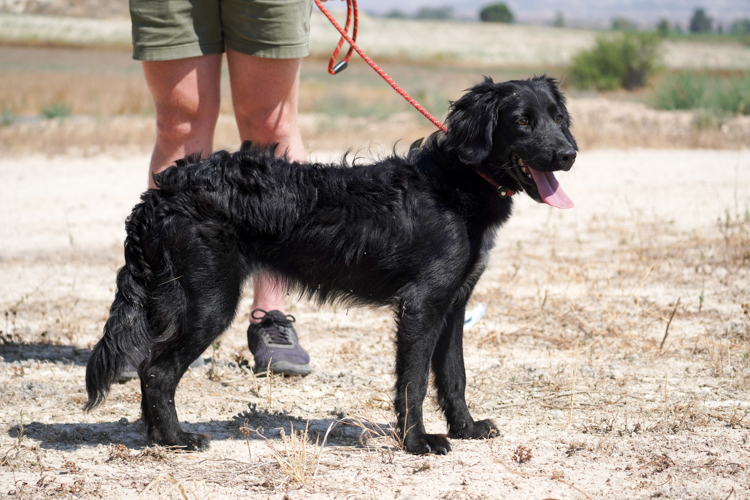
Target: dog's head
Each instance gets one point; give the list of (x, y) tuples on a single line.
[(516, 134)]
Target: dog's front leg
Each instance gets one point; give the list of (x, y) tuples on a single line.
[(450, 381), (416, 337)]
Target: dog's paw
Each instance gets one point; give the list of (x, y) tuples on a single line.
[(187, 441), (485, 429), (197, 442), (482, 429), (422, 444)]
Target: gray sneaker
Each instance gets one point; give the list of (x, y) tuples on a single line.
[(274, 340), (127, 374), (130, 372)]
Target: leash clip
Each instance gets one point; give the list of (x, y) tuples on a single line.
[(352, 13)]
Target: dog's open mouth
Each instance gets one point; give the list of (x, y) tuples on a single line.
[(548, 190)]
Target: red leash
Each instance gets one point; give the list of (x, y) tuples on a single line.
[(335, 68)]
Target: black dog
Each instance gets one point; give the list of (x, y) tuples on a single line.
[(411, 233)]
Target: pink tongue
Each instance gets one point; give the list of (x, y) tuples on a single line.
[(550, 190)]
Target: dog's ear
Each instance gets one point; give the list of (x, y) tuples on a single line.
[(554, 86), (471, 123)]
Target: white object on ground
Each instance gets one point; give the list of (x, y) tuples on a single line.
[(472, 317)]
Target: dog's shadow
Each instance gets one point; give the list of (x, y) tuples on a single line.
[(252, 425), (23, 351)]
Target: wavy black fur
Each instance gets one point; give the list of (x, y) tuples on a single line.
[(411, 233)]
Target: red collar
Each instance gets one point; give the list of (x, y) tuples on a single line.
[(502, 191)]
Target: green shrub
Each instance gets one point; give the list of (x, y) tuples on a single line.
[(496, 13), (621, 23), (435, 13), (56, 110), (700, 22), (741, 27), (6, 117), (681, 91), (624, 60), (663, 28), (559, 21), (726, 94), (395, 14), (706, 119)]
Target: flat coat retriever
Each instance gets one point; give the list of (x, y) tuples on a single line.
[(410, 232)]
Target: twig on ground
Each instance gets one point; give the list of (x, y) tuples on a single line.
[(671, 317)]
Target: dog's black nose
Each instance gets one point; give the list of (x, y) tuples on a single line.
[(566, 158)]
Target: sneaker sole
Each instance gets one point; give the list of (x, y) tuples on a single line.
[(126, 376), (284, 368)]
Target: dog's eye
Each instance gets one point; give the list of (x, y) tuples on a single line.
[(558, 119), (522, 122)]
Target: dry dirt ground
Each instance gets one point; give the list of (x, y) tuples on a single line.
[(614, 353)]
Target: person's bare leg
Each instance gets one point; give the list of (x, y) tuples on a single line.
[(186, 99), (264, 95), (187, 96)]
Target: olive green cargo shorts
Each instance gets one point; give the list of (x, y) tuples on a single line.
[(176, 29)]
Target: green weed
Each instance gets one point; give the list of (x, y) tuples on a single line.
[(625, 60), (727, 94), (6, 117), (56, 110)]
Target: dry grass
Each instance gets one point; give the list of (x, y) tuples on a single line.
[(638, 304), (580, 307), (168, 486), (371, 432), (22, 454), (297, 463), (25, 93), (609, 344), (122, 454), (613, 123), (105, 106)]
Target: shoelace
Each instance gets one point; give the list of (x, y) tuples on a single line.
[(271, 325)]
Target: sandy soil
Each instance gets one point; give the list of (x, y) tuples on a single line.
[(597, 396), (614, 353)]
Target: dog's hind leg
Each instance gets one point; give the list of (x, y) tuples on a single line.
[(450, 381), (206, 294)]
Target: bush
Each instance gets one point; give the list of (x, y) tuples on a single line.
[(621, 23), (729, 94), (56, 110), (496, 13), (395, 14), (663, 28), (741, 27), (6, 117), (700, 22), (559, 21), (435, 13), (626, 60)]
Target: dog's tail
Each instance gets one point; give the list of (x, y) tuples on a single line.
[(127, 333)]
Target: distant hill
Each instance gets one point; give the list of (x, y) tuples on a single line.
[(460, 44), (582, 13), (576, 13)]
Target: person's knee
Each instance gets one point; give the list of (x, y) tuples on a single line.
[(269, 126), (184, 127)]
